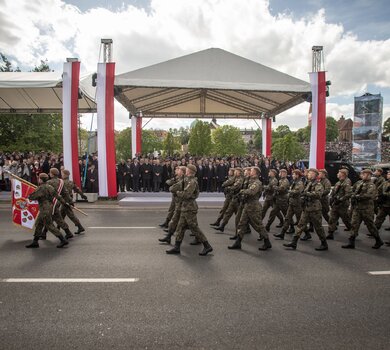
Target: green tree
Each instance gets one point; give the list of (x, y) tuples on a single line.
[(43, 67), (184, 136), (332, 129), (171, 144), (6, 65), (303, 134), (123, 144), (386, 128), (200, 139), (228, 141), (287, 148), (150, 141), (258, 139), (280, 131)]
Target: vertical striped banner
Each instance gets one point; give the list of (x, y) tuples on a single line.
[(105, 124), (318, 120), (136, 134), (70, 100), (266, 128)]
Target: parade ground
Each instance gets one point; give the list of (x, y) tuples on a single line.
[(115, 288)]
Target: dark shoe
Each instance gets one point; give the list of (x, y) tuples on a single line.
[(220, 228), (260, 239), (80, 230), (166, 239), (163, 225), (267, 227), (236, 244), (350, 245), (175, 249), (207, 248), (33, 244), (330, 236), (63, 242), (215, 223), (292, 244), (291, 229), (267, 245), (378, 243), (311, 228), (42, 238), (68, 234), (279, 235), (387, 229), (233, 237), (323, 246), (165, 230), (195, 242), (306, 237)]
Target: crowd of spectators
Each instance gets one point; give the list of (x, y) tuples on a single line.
[(147, 174)]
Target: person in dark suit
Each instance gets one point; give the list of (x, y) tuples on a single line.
[(209, 174), (92, 179), (221, 174), (199, 175), (157, 175), (135, 174), (122, 171), (146, 174)]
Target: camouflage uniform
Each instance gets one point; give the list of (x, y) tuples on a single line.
[(269, 191), (325, 198), (340, 201), (176, 187), (241, 204), (294, 204), (280, 201), (55, 183), (379, 182), (66, 210), (228, 198), (45, 194), (171, 210), (384, 204)]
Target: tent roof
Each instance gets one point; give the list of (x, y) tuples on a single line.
[(38, 92), (207, 83)]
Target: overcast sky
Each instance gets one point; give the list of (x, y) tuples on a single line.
[(355, 35)]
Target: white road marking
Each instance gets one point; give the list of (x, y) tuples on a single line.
[(121, 227), (379, 272), (69, 280)]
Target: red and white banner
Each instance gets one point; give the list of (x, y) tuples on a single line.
[(136, 135), (24, 211), (318, 120), (105, 129), (266, 128), (70, 93)]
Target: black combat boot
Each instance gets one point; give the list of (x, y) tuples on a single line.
[(292, 244), (267, 227), (387, 243), (311, 228), (80, 229), (291, 229), (166, 230), (216, 223), (33, 244), (280, 235), (323, 246), (306, 237), (63, 242), (195, 241), (350, 245), (175, 249), (220, 228), (166, 239), (164, 224), (267, 244), (233, 238), (68, 234), (42, 237), (378, 243), (207, 248), (330, 235), (236, 244)]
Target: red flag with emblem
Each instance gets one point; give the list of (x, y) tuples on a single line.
[(24, 211)]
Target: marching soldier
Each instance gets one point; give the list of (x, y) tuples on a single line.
[(188, 216), (269, 195), (311, 196), (234, 191), (294, 203), (228, 196), (384, 204), (171, 209), (362, 202), (66, 210), (325, 196), (251, 213), (280, 200), (340, 201), (378, 180), (45, 194)]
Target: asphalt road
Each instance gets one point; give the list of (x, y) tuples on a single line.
[(246, 299)]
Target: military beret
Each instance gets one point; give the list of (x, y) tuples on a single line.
[(297, 172), (192, 168), (283, 170), (366, 171), (274, 171), (43, 176), (379, 169), (54, 171), (66, 172), (323, 171), (314, 170), (344, 171)]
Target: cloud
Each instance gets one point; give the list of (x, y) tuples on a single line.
[(55, 30)]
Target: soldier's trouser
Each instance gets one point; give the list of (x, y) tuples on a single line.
[(254, 219), (67, 211), (336, 212), (223, 210), (278, 209), (315, 217), (266, 205), (232, 209), (325, 208), (59, 220), (43, 220), (289, 218), (189, 219), (381, 217), (171, 211), (175, 220), (365, 215), (238, 218)]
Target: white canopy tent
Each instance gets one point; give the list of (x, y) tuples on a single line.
[(209, 83), (39, 92)]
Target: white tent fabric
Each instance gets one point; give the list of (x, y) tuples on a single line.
[(209, 83), (39, 92)]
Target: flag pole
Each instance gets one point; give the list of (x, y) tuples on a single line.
[(34, 186)]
